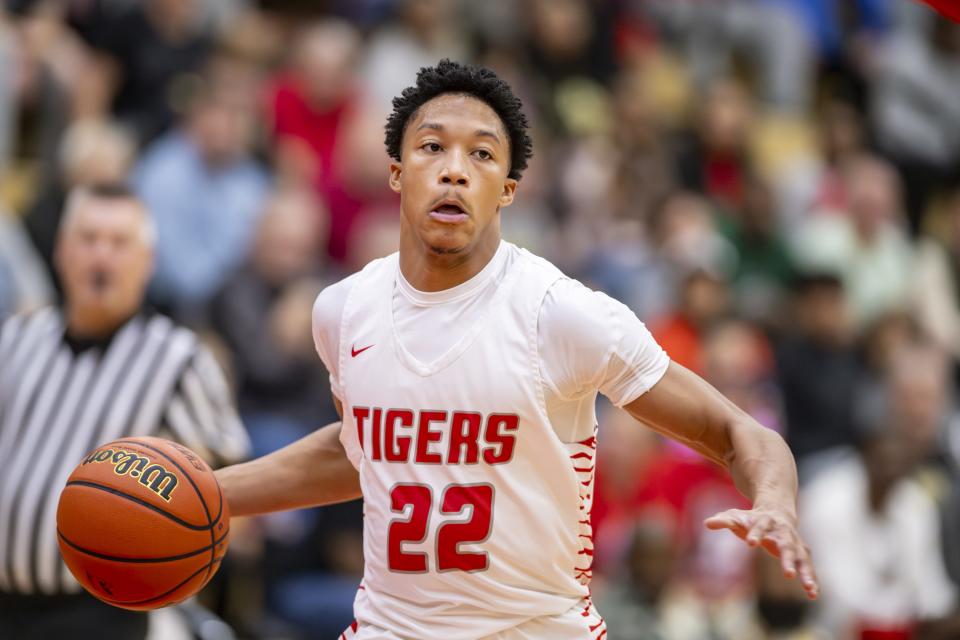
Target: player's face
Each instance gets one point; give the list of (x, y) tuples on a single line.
[(452, 177), (104, 257)]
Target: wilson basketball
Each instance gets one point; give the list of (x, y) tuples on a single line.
[(142, 523)]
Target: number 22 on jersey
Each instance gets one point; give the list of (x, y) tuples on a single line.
[(473, 501)]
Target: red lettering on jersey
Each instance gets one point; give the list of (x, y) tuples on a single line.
[(498, 424), (398, 447), (461, 437), (376, 437), (413, 529), (425, 436), (359, 415)]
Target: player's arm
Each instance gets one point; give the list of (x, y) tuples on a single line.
[(314, 470), (686, 408), (310, 472)]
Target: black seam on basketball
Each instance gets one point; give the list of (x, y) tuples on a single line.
[(103, 556), (117, 492), (124, 603), (193, 484)]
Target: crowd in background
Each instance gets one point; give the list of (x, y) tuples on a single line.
[(773, 186)]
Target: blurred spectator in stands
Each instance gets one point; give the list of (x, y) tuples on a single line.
[(263, 313), (916, 107), (936, 277), (875, 535), (766, 36), (633, 600), (817, 369), (150, 53), (879, 344), (311, 97), (24, 283), (644, 173), (842, 138), (49, 73), (424, 31), (817, 184), (704, 301), (656, 561), (91, 152), (205, 191), (922, 409), (570, 48), (782, 611), (312, 102), (865, 243), (764, 266), (628, 453), (363, 171), (920, 397), (8, 84), (738, 361), (714, 157), (647, 268)]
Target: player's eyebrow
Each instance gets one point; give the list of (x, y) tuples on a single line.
[(486, 134), (481, 133)]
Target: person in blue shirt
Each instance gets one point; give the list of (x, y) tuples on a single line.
[(205, 191)]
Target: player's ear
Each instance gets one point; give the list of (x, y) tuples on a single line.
[(395, 176), (509, 190)]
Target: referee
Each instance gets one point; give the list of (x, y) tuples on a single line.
[(95, 370)]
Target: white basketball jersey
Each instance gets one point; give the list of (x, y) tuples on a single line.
[(476, 516)]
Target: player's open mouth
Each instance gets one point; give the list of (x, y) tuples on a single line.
[(449, 212)]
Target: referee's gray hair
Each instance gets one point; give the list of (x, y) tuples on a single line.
[(79, 195)]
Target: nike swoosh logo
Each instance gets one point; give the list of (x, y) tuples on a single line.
[(354, 352)]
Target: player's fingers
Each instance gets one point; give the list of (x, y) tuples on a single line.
[(788, 560), (758, 531), (808, 577), (772, 544), (732, 519)]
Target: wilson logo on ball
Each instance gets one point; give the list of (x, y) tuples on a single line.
[(153, 476)]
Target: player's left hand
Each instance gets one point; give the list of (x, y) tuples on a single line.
[(776, 531)]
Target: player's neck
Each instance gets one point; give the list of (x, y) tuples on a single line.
[(427, 270)]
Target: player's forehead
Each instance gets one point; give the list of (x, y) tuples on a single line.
[(458, 114)]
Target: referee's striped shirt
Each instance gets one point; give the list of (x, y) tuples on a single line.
[(59, 400)]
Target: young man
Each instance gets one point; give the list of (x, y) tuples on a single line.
[(466, 371)]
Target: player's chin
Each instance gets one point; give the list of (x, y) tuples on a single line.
[(447, 242), (446, 250)]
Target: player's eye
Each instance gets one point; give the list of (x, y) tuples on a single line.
[(483, 154), (432, 147)]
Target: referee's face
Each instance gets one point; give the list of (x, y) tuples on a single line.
[(104, 257)]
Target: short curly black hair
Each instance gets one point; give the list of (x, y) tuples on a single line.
[(471, 80)]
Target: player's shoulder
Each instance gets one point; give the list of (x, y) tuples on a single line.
[(331, 301), (533, 263), (328, 307), (572, 310)]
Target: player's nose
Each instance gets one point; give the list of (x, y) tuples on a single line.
[(454, 171)]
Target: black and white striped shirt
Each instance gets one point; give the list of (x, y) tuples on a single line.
[(59, 400)]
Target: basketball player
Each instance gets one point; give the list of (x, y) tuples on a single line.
[(466, 371)]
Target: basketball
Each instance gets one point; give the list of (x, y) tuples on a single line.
[(142, 523)]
